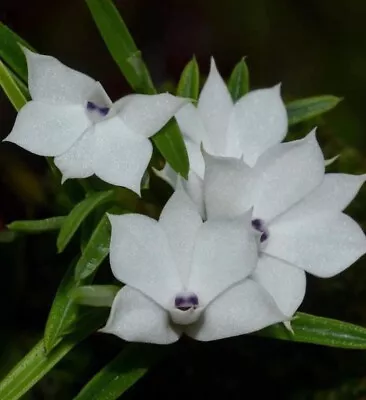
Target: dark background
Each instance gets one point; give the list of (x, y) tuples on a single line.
[(312, 47)]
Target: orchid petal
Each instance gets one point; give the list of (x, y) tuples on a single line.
[(243, 308), (284, 282), (145, 115), (196, 161), (333, 194), (141, 257), (181, 221), (225, 186), (225, 253), (136, 318), (48, 130), (284, 175), (191, 126), (52, 82), (323, 245), (215, 107), (120, 156), (76, 162), (194, 187), (258, 122)]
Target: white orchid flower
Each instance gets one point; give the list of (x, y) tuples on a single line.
[(245, 129), (297, 210), (72, 119), (185, 276)]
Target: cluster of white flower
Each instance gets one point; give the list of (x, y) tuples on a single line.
[(229, 253)]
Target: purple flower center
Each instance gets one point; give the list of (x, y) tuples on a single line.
[(186, 301), (260, 226), (92, 107)]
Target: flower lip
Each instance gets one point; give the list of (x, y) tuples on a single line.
[(260, 226), (186, 309), (186, 301), (93, 107)]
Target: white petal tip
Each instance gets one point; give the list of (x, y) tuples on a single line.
[(25, 50), (331, 160), (110, 217), (213, 68), (312, 134), (277, 88), (288, 326), (207, 156)]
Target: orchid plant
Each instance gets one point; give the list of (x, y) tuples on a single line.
[(227, 254)]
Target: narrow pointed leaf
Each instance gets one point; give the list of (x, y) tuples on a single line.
[(37, 362), (21, 85), (78, 214), (121, 44), (64, 312), (95, 295), (95, 251), (121, 373), (189, 81), (11, 88), (171, 145), (304, 109), (319, 330), (11, 53), (238, 84), (37, 226)]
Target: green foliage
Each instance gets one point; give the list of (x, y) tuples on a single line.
[(170, 143), (318, 330), (37, 226), (78, 214), (64, 313), (189, 82), (11, 88), (238, 84), (11, 52), (120, 374), (95, 251), (304, 109), (95, 295), (121, 45), (38, 362)]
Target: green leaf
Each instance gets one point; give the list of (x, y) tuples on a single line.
[(304, 109), (64, 312), (11, 53), (11, 88), (319, 330), (238, 84), (95, 295), (170, 143), (95, 251), (7, 236), (78, 214), (37, 362), (121, 45), (37, 226), (189, 81), (122, 373)]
